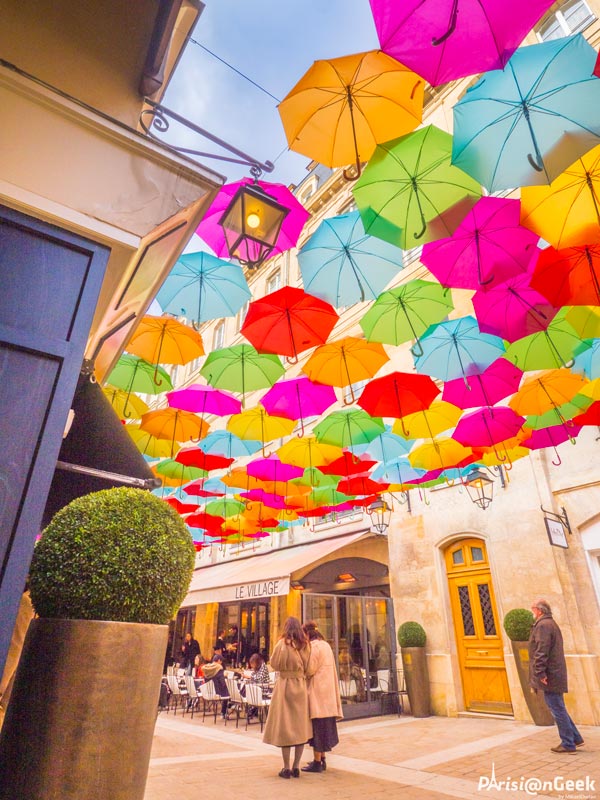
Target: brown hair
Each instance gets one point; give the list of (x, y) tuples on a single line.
[(293, 634), (311, 630), (255, 661)]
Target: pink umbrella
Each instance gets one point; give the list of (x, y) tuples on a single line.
[(551, 437), (441, 41), (298, 398), (212, 233), (489, 246), (512, 309), (486, 427), (266, 498), (204, 400), (495, 383), (272, 469)]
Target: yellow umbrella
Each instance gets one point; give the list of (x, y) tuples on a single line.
[(591, 389), (343, 107), (174, 425), (440, 416), (566, 213), (585, 320), (509, 454), (307, 452), (255, 423), (546, 390), (149, 445), (163, 340), (127, 406), (438, 454)]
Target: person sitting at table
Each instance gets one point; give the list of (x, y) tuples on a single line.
[(257, 672), (213, 671), (199, 663)]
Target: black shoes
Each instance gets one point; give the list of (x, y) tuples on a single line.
[(323, 763), (314, 766), (295, 772), (579, 744), (285, 773)]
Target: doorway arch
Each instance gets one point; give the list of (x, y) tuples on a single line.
[(476, 627)]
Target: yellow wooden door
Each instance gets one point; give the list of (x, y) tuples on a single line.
[(478, 639)]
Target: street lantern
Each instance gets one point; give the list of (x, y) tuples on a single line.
[(251, 224), (380, 514), (480, 488)]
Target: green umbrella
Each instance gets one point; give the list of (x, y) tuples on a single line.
[(549, 349), (348, 428), (133, 374), (241, 368), (326, 496), (225, 507), (176, 471), (314, 477), (406, 312), (410, 192)]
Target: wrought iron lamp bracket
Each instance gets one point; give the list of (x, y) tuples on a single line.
[(562, 518)]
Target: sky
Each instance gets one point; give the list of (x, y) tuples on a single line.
[(273, 42)]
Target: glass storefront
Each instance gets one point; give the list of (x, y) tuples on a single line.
[(246, 627)]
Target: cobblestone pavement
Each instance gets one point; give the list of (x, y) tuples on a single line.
[(380, 758)]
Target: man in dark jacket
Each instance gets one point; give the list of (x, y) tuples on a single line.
[(189, 650), (548, 673)]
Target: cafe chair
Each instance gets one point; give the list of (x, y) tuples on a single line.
[(255, 699)]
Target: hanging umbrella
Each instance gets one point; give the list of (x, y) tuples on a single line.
[(457, 348), (552, 437), (149, 445), (273, 469), (545, 391), (406, 312), (201, 287), (298, 399), (489, 246), (512, 309), (431, 421), (313, 476), (398, 394), (549, 349), (344, 265), (238, 478), (126, 406), (255, 423), (225, 507), (569, 277), (203, 520), (134, 374), (228, 444), (525, 124), (567, 213), (587, 359), (177, 473), (287, 322), (385, 448), (348, 428), (443, 40), (343, 107), (487, 388), (345, 361), (348, 464), (438, 454), (308, 452), (361, 485), (410, 193), (397, 472), (559, 415), (194, 457), (204, 400), (240, 368), (591, 416), (585, 321), (180, 507), (164, 340), (487, 427), (174, 425), (213, 234)]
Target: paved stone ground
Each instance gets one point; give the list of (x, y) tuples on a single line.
[(381, 758)]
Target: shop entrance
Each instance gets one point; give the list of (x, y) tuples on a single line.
[(246, 627), (479, 645)]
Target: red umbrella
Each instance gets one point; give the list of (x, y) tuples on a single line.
[(361, 485), (196, 489), (347, 465), (208, 522), (512, 309), (288, 321), (398, 394), (495, 383), (569, 277), (194, 457), (181, 508), (591, 415)]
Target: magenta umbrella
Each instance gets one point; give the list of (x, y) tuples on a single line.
[(204, 400), (486, 427), (495, 383), (442, 40), (551, 437), (512, 309), (298, 398), (266, 498), (272, 469), (488, 247), (212, 233)]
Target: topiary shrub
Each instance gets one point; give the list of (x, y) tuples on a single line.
[(518, 624), (411, 634), (120, 554)]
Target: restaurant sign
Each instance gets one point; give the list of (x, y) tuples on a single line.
[(251, 590)]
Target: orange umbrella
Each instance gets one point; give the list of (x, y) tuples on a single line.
[(344, 362), (438, 454), (166, 341), (174, 425), (546, 390)]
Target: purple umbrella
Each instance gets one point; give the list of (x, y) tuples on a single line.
[(442, 40), (551, 437), (212, 233), (488, 247), (204, 400), (512, 309), (495, 383), (298, 398), (486, 427)]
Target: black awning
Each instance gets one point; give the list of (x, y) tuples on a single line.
[(97, 440)]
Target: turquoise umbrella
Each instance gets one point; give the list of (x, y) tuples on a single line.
[(525, 124)]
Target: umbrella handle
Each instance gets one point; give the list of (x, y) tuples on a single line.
[(352, 397), (559, 462), (301, 434), (348, 176), (417, 349), (536, 165), (264, 452), (157, 380), (451, 26), (292, 359)]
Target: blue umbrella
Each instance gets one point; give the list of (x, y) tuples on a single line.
[(457, 348), (386, 447), (224, 443), (525, 124), (587, 360), (400, 470), (202, 287), (342, 264)]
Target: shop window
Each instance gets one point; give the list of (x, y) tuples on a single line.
[(573, 16)]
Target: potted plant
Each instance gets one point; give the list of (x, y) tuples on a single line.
[(412, 638), (517, 624), (107, 575)]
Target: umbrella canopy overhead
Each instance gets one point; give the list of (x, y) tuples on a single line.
[(134, 374), (488, 426), (428, 422), (240, 368), (165, 340), (487, 388), (569, 277), (125, 405), (523, 125), (201, 287), (308, 452), (298, 399), (544, 391), (443, 40), (228, 444), (343, 107), (342, 264), (410, 193), (398, 394), (174, 425), (345, 361), (255, 423), (549, 349), (204, 400), (348, 428)]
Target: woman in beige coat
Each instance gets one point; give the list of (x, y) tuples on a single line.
[(324, 699), (288, 722)]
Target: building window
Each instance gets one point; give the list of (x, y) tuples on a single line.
[(349, 207), (573, 16), (274, 282), (219, 336), (354, 391), (241, 316)]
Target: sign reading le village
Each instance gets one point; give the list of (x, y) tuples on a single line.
[(248, 591)]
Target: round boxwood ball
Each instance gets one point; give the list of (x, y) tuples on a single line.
[(411, 634), (518, 624), (121, 554)]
